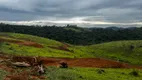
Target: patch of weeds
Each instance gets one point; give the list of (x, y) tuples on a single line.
[(81, 77), (3, 74), (10, 48), (100, 71), (54, 73), (7, 44), (134, 73)]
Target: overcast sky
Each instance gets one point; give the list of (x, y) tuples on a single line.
[(85, 13)]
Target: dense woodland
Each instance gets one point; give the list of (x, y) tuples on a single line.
[(76, 35)]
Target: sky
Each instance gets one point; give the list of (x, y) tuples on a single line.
[(84, 13)]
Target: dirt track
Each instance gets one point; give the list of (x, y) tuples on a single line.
[(78, 62), (87, 62), (26, 43)]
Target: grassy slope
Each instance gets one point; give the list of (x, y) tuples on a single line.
[(54, 73), (119, 50), (113, 50), (77, 73), (32, 51)]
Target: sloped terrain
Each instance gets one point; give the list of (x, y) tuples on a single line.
[(28, 45), (83, 61), (12, 72)]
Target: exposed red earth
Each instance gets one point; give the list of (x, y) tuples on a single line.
[(78, 62), (88, 62), (25, 43), (64, 47), (5, 64), (72, 62)]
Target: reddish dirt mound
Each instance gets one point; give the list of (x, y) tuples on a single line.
[(20, 76), (64, 47), (26, 43), (88, 62)]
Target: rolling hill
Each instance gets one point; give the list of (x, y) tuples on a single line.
[(28, 45), (99, 61)]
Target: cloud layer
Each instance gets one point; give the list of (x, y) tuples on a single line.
[(86, 13)]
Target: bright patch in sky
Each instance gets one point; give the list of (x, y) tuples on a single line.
[(84, 13)]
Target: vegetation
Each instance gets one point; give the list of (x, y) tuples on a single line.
[(77, 73), (16, 49), (3, 74), (124, 51), (119, 50), (128, 51), (54, 73), (76, 35)]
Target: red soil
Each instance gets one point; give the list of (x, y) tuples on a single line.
[(4, 67), (78, 62), (64, 47), (25, 43), (87, 62)]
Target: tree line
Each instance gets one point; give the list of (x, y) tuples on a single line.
[(76, 35)]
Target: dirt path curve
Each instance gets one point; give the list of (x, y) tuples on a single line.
[(78, 62), (88, 62)]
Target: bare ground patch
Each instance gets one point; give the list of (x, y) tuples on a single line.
[(25, 43)]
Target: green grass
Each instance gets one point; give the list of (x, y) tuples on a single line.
[(3, 74), (54, 73), (117, 50), (30, 38)]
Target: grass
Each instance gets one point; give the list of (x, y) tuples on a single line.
[(77, 73), (117, 50), (54, 73), (124, 51), (3, 74)]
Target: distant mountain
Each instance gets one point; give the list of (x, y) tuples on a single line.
[(131, 28), (115, 28)]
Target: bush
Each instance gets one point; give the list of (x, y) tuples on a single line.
[(100, 71), (134, 73)]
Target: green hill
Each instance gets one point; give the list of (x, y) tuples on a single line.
[(124, 51), (28, 45)]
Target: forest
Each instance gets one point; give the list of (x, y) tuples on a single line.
[(76, 35)]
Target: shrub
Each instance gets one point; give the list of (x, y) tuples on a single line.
[(134, 73), (100, 71)]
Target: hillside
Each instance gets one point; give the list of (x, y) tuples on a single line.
[(99, 61), (28, 45), (124, 51)]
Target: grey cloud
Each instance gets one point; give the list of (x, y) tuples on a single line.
[(126, 11), (4, 16)]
